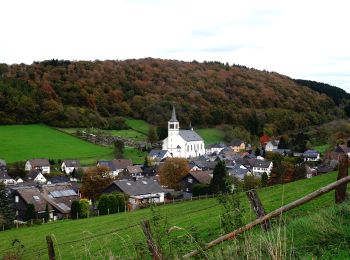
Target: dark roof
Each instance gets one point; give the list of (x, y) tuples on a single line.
[(220, 145), (189, 135), (32, 175), (4, 175), (259, 163), (157, 154), (236, 142), (203, 177), (311, 154), (58, 179), (342, 149), (238, 171), (140, 186), (39, 162), (116, 164), (204, 164), (32, 195), (72, 163), (173, 116)]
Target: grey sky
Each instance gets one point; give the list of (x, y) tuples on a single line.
[(301, 39)]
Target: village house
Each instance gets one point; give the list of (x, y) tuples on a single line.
[(271, 145), (38, 164), (182, 143), (237, 145), (134, 171), (195, 177), (258, 167), (4, 177), (158, 155), (35, 176), (115, 166), (68, 166), (239, 171), (311, 156), (141, 191), (57, 197), (214, 148)]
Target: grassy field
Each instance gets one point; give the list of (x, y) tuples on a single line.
[(321, 148), (23, 142), (117, 234), (140, 126), (211, 135)]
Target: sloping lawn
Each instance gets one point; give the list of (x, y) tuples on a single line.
[(23, 142), (211, 135)]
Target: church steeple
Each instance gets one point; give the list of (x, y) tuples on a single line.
[(173, 124), (173, 116)]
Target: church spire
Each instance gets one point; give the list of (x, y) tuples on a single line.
[(173, 116)]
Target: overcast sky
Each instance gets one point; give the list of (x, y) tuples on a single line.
[(301, 39)]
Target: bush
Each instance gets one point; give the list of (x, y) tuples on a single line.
[(111, 203), (84, 208), (200, 189)]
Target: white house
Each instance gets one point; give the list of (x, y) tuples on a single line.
[(215, 148), (38, 164), (35, 176), (182, 143), (311, 156), (260, 166), (68, 166), (271, 145)]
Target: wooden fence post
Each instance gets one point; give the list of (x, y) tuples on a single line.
[(258, 208), (50, 248), (146, 228), (340, 191)]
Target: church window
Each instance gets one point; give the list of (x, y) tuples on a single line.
[(171, 126)]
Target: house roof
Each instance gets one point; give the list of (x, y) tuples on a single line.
[(190, 135), (236, 142), (116, 164), (157, 154), (173, 116), (342, 149), (39, 162), (140, 186), (259, 163), (32, 195), (58, 179), (4, 175), (220, 145), (204, 164), (71, 163), (32, 175), (134, 169), (203, 177), (311, 154), (238, 171)]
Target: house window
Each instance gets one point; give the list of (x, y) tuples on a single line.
[(190, 180), (16, 199)]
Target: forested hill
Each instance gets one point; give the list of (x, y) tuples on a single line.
[(102, 93)]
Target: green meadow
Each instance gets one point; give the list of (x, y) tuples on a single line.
[(211, 135), (119, 234)]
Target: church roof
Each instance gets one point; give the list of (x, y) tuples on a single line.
[(189, 135), (173, 116)]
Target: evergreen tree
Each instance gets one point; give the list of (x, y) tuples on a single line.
[(75, 210), (47, 213), (30, 212), (221, 181), (152, 135), (282, 143), (6, 211), (257, 152), (264, 179)]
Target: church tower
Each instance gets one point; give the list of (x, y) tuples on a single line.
[(173, 124)]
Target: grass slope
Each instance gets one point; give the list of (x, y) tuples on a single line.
[(140, 126), (23, 142), (203, 215), (211, 135)]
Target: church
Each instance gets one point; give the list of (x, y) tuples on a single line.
[(182, 143)]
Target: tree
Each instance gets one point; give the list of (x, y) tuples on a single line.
[(84, 208), (172, 171), (282, 143), (6, 211), (75, 211), (94, 181), (200, 189), (264, 179), (152, 136), (47, 213), (221, 181), (250, 182), (30, 213), (257, 152), (118, 148)]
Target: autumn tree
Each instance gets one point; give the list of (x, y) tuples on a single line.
[(94, 181), (172, 171)]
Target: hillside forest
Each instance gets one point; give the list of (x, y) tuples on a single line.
[(103, 93)]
